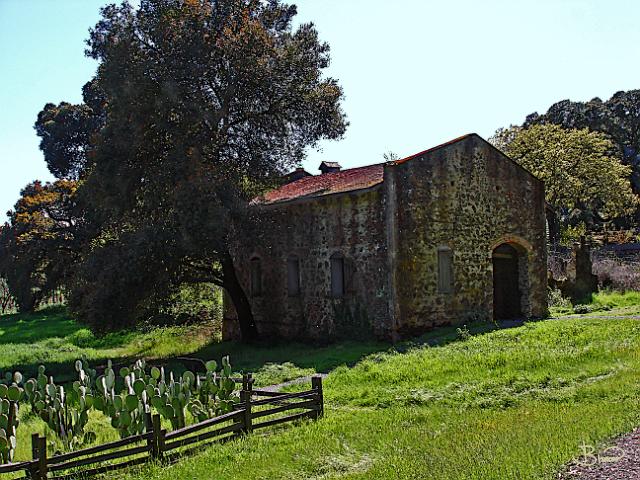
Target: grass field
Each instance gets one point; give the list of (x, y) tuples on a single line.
[(514, 403), (604, 303), (473, 404), (52, 338)]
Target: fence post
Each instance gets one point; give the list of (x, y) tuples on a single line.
[(42, 458), (148, 428), (245, 399), (156, 452), (316, 383), (33, 466), (161, 441)]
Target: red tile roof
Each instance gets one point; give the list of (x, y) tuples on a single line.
[(340, 181), (326, 184)]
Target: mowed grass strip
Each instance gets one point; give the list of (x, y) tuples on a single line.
[(515, 403)]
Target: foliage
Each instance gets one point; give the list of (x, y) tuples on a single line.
[(195, 302), (618, 118), (37, 246), (7, 303), (503, 137), (66, 132), (127, 403), (582, 308), (570, 234), (463, 333), (584, 180), (201, 107), (617, 275), (64, 410), (555, 299), (10, 396)]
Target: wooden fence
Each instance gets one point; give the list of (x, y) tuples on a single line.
[(257, 409)]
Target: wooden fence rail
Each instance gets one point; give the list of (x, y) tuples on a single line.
[(153, 444)]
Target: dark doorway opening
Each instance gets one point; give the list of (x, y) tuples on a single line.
[(507, 297)]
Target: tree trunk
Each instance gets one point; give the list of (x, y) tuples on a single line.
[(248, 329), (554, 226)]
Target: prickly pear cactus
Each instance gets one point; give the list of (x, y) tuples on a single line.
[(65, 411), (128, 408), (214, 393), (10, 395), (126, 397)]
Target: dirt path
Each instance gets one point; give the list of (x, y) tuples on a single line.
[(279, 386), (620, 461)]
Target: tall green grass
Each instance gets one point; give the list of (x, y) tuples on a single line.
[(614, 299), (510, 404), (604, 302)]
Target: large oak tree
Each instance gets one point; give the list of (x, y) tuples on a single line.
[(206, 104)]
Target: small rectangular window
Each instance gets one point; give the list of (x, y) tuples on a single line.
[(445, 270), (293, 277), (256, 277), (337, 276)]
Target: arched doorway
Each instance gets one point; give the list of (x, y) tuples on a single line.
[(507, 294)]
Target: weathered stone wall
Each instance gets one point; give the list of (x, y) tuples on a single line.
[(313, 230), (469, 197), (466, 196)]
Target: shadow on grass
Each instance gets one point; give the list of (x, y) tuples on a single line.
[(55, 328), (29, 328), (323, 359)]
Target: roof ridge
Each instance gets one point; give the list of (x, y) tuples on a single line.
[(341, 181), (437, 147)]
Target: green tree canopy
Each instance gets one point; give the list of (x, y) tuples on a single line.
[(66, 131), (206, 104), (584, 179), (618, 118)]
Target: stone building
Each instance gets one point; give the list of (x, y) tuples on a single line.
[(445, 236)]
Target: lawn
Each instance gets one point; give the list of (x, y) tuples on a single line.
[(603, 303), (513, 403), (52, 338), (475, 403)]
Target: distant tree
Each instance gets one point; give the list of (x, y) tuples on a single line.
[(584, 179), (504, 136), (36, 246), (618, 117), (207, 103)]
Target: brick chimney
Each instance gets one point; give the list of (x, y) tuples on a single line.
[(329, 167), (297, 174)]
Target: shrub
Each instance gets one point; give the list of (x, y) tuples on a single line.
[(555, 299), (463, 333), (617, 275), (582, 308)]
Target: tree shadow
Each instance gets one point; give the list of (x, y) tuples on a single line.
[(44, 324), (324, 358), (55, 323)]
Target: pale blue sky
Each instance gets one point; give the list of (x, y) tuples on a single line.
[(415, 73)]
